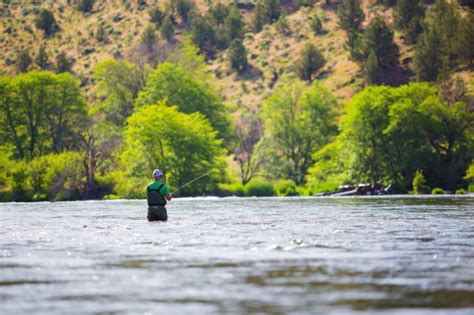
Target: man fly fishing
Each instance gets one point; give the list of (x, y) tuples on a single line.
[(157, 195)]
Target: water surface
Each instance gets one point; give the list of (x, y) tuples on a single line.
[(240, 255)]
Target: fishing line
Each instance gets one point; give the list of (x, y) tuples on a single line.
[(179, 188)]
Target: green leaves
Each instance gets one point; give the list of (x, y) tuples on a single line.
[(183, 146)]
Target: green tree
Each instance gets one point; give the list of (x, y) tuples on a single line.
[(85, 5), (238, 55), (390, 133), (203, 34), (149, 39), (42, 58), (431, 58), (351, 16), (316, 25), (118, 85), (167, 30), (309, 63), (184, 8), (186, 55), (379, 38), (100, 34), (233, 24), (259, 18), (297, 122), (273, 9), (23, 61), (219, 12), (184, 146), (170, 82), (408, 17), (46, 22), (445, 17), (464, 45), (41, 113), (156, 16), (372, 70), (63, 63)]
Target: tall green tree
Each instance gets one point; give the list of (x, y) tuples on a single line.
[(63, 63), (390, 133), (118, 85), (46, 22), (170, 82), (408, 17), (203, 34), (431, 59), (167, 30), (259, 18), (372, 70), (184, 146), (351, 16), (297, 122), (379, 39), (309, 63), (85, 5), (41, 112), (238, 55), (184, 8), (42, 59), (23, 61), (464, 45)]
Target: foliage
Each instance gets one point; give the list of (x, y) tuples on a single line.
[(63, 63), (285, 188), (156, 16), (351, 16), (186, 55), (431, 57), (118, 84), (85, 5), (167, 29), (23, 61), (297, 122), (42, 58), (408, 17), (379, 39), (183, 146), (181, 89), (310, 62), (464, 45), (203, 34), (437, 191), (149, 38), (419, 183), (184, 8), (372, 70), (389, 133), (100, 34), (258, 188), (45, 21), (41, 112), (238, 55), (316, 25)]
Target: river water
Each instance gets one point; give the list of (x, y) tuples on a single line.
[(395, 255)]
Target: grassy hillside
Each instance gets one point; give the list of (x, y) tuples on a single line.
[(271, 52)]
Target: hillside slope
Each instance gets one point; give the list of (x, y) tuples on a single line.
[(271, 52)]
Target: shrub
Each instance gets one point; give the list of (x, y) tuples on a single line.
[(236, 189), (470, 188), (285, 188), (259, 188), (460, 191), (437, 191), (419, 183), (46, 22)]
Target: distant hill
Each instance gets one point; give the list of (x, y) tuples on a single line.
[(271, 52)]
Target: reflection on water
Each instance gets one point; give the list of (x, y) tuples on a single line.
[(393, 255)]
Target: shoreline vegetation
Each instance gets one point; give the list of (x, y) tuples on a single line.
[(407, 127)]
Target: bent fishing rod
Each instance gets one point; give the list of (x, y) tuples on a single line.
[(191, 181)]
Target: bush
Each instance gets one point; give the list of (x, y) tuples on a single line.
[(470, 188), (285, 188), (46, 22), (460, 191), (258, 188), (419, 183), (323, 187), (437, 191)]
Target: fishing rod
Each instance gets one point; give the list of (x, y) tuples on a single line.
[(191, 181)]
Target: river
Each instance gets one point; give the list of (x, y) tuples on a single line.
[(391, 255)]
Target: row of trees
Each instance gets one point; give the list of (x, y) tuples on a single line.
[(442, 36)]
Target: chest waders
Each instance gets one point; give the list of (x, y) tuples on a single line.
[(156, 204)]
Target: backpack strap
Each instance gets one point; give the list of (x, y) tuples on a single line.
[(158, 190)]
